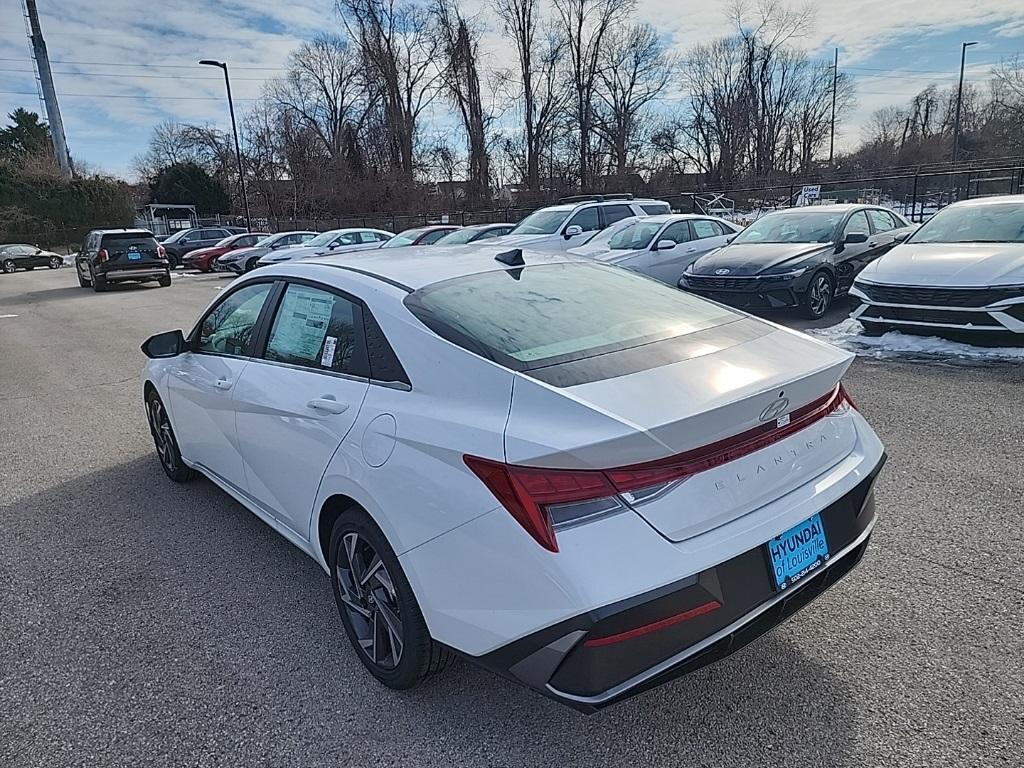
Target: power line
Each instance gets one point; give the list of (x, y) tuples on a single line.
[(125, 96), (130, 76), (123, 65)]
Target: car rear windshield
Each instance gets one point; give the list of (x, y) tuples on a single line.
[(553, 313), (792, 227), (121, 241), (986, 223)]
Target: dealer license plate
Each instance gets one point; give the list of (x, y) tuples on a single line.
[(798, 551)]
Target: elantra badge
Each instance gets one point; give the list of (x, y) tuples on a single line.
[(722, 271)]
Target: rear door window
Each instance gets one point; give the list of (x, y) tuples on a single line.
[(314, 329), (703, 228), (655, 209), (881, 220), (679, 232), (613, 213), (124, 242), (433, 237), (858, 224)]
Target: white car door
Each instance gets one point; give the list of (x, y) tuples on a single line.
[(297, 401), (201, 382), (667, 264)]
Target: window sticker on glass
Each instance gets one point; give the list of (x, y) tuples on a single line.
[(327, 358), (301, 324)]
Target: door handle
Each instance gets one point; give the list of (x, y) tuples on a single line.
[(691, 250), (873, 245), (327, 404), (223, 383)]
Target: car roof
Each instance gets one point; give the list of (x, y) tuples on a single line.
[(830, 208), (143, 232), (418, 265), (574, 206), (991, 200)]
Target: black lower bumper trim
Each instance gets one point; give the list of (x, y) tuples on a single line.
[(561, 663)]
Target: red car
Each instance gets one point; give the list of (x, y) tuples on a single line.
[(203, 258)]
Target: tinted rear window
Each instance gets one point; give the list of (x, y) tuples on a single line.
[(122, 240), (548, 314), (655, 209)]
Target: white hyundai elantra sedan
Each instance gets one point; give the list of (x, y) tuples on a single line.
[(575, 476)]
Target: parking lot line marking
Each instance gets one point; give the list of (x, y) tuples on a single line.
[(4, 316)]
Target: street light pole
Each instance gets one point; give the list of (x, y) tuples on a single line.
[(959, 98), (234, 129), (835, 86)]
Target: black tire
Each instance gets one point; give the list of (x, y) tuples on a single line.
[(99, 284), (56, 262), (81, 280), (385, 598), (817, 299), (165, 441), (172, 261), (8, 266), (250, 265), (873, 329), (164, 281)]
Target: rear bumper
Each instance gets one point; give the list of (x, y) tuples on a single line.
[(142, 272), (750, 292), (596, 659)]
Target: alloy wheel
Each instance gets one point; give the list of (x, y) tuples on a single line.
[(162, 434), (9, 266), (370, 600), (821, 294), (56, 262)]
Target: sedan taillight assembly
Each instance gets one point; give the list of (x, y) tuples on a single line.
[(544, 500)]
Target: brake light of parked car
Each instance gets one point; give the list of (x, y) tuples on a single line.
[(545, 500), (161, 251), (101, 255)]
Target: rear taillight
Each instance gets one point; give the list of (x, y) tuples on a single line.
[(161, 252), (101, 255), (846, 398), (544, 500)]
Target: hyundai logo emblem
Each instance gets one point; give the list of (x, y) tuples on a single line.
[(722, 271), (774, 409)]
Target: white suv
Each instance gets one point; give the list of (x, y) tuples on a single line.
[(568, 224)]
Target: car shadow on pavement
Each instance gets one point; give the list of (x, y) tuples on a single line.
[(71, 291), (144, 618)]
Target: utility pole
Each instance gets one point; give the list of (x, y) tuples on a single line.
[(959, 98), (42, 60), (234, 129), (835, 86)]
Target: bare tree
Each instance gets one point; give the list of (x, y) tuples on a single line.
[(459, 46), (399, 49), (634, 69), (811, 120), (324, 91), (537, 86), (718, 101), (585, 25)]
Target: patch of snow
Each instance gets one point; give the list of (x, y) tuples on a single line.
[(894, 345)]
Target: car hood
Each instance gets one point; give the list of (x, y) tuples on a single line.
[(201, 251), (754, 258), (291, 252), (955, 264)]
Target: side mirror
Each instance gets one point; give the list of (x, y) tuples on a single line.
[(573, 230), (166, 344), (730, 238), (855, 237), (665, 245), (901, 237), (332, 246)]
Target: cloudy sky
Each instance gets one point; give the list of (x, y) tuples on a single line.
[(121, 66)]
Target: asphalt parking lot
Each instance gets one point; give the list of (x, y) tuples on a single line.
[(148, 623)]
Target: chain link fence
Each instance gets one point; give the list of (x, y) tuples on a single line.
[(915, 195)]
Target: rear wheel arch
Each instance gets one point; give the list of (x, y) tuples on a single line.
[(333, 508)]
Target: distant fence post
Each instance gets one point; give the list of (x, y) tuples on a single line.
[(913, 203), (967, 187)]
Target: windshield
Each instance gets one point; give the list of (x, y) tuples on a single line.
[(403, 238), (177, 236), (634, 237), (541, 223), (792, 227), (459, 236), (986, 223), (269, 240), (555, 312), (226, 241), (324, 238)]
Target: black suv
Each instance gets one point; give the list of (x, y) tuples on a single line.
[(121, 255), (185, 240)]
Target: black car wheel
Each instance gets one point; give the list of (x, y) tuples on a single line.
[(56, 262), (381, 616), (166, 444), (164, 280), (250, 265), (8, 266), (818, 297), (172, 261), (82, 282)]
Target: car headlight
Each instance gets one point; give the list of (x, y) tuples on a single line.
[(790, 275)]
